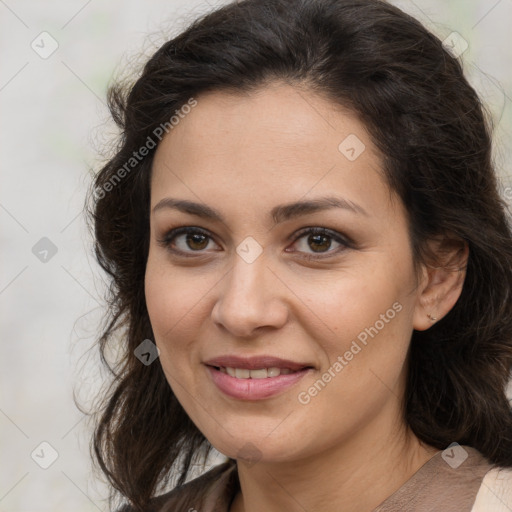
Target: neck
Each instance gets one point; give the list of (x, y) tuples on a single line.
[(353, 477)]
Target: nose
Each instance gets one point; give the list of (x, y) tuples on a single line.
[(249, 299)]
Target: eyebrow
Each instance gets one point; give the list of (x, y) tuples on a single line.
[(278, 214)]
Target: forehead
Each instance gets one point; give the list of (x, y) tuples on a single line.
[(275, 144)]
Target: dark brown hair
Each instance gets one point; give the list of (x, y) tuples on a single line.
[(429, 124)]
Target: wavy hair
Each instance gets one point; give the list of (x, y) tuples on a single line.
[(431, 127)]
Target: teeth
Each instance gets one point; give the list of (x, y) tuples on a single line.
[(259, 374), (242, 373), (263, 373)]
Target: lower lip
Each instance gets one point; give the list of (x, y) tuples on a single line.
[(254, 389)]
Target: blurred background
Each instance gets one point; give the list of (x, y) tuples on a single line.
[(57, 60)]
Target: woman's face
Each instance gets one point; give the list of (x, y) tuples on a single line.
[(323, 318)]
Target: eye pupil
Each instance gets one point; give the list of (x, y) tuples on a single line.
[(197, 238), (319, 238)]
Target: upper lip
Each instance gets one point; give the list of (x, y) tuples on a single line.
[(256, 362)]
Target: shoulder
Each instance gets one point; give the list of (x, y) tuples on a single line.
[(495, 493), (213, 487)]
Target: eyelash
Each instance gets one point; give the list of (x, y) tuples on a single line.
[(345, 242)]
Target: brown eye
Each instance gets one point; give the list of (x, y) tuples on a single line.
[(186, 240), (317, 242), (196, 241)]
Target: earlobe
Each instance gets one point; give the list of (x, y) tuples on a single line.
[(441, 285)]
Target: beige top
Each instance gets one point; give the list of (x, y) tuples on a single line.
[(473, 486)]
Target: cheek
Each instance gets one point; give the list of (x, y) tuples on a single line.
[(177, 303), (354, 302), (366, 324), (171, 295), (167, 302), (160, 298), (365, 349)]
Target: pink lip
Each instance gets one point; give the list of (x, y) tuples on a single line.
[(255, 362), (254, 389)]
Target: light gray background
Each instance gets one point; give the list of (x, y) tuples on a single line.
[(53, 121)]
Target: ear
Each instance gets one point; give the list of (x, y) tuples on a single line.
[(441, 283)]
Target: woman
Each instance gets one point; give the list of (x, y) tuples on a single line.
[(310, 269)]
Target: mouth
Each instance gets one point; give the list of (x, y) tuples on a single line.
[(255, 378), (259, 364), (258, 373)]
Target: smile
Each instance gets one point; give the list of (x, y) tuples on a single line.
[(255, 384), (262, 373)]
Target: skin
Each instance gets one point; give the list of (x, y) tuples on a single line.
[(348, 448)]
